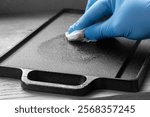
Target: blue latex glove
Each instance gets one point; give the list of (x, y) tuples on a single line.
[(129, 18)]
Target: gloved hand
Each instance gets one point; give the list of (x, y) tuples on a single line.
[(128, 18)]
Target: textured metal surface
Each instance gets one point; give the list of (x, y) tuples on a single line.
[(137, 60), (51, 52), (58, 54), (15, 28)]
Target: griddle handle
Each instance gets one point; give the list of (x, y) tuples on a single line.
[(54, 82), (10, 72)]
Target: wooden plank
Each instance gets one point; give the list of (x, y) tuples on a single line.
[(132, 96)]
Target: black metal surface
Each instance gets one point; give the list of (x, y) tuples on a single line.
[(102, 82), (15, 48), (71, 84), (78, 84), (9, 72)]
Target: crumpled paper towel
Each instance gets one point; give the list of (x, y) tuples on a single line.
[(77, 35)]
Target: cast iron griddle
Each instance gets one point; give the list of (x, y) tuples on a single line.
[(99, 65)]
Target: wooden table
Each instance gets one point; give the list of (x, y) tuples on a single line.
[(16, 28)]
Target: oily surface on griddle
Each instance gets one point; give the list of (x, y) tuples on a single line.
[(50, 51), (60, 50)]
